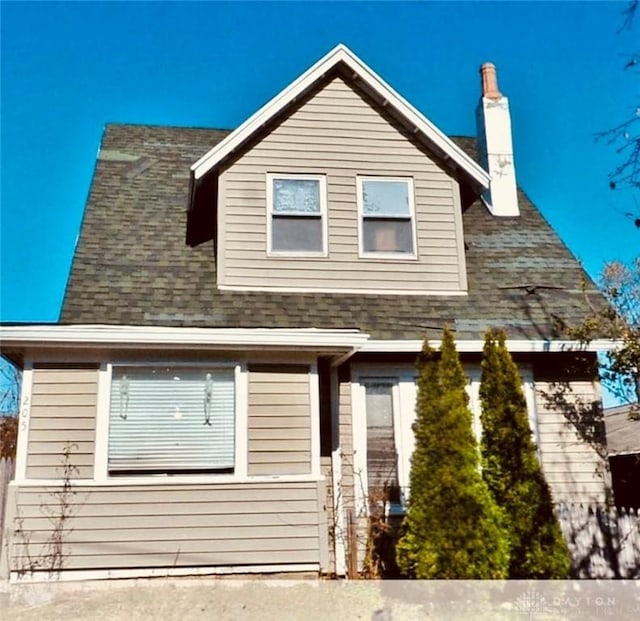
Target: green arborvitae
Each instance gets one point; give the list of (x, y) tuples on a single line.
[(453, 527), (511, 469)]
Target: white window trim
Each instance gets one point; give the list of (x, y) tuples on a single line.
[(474, 373), (386, 256), (322, 183), (101, 451), (241, 377), (314, 417), (402, 380), (101, 447), (529, 388)]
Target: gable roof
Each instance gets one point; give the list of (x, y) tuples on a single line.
[(359, 71), (132, 266)]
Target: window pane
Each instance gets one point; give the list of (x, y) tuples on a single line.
[(172, 419), (382, 462), (296, 233), (379, 405), (296, 196), (386, 198), (381, 235)]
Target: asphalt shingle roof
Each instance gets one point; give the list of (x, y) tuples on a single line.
[(132, 265)]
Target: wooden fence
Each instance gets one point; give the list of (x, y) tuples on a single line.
[(604, 541), (7, 469)]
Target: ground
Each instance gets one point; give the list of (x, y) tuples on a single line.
[(310, 600)]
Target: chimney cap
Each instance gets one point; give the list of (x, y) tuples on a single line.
[(489, 78)]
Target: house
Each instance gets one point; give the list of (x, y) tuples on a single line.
[(233, 369), (623, 449)]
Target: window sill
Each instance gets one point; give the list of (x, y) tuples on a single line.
[(389, 256), (298, 254), (144, 480)]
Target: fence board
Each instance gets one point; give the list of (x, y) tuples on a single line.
[(604, 542)]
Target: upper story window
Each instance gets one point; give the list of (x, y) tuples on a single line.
[(387, 217), (297, 207), (172, 420)]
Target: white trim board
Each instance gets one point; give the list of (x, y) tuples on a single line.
[(401, 378), (474, 346), (144, 481), (101, 444), (314, 407), (348, 291), (24, 421), (339, 54), (96, 334), (68, 575)]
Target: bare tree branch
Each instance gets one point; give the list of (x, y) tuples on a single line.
[(625, 137), (628, 15)]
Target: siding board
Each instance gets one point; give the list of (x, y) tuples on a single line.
[(196, 521), (49, 424), (302, 467), (54, 460), (173, 533), (267, 421), (282, 457), (154, 495), (73, 434), (273, 433), (44, 472), (77, 560), (65, 400), (69, 411), (282, 443)]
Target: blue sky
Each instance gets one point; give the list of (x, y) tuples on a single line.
[(69, 68)]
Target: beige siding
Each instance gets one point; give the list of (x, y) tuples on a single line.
[(279, 430), (569, 449), (176, 526), (63, 414), (339, 134)]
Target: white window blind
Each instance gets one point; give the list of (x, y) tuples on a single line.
[(165, 420)]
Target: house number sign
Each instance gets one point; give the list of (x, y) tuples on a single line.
[(24, 412)]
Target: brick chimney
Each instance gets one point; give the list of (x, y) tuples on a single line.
[(495, 146)]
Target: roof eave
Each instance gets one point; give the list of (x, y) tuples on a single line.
[(513, 345), (24, 337), (47, 335)]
